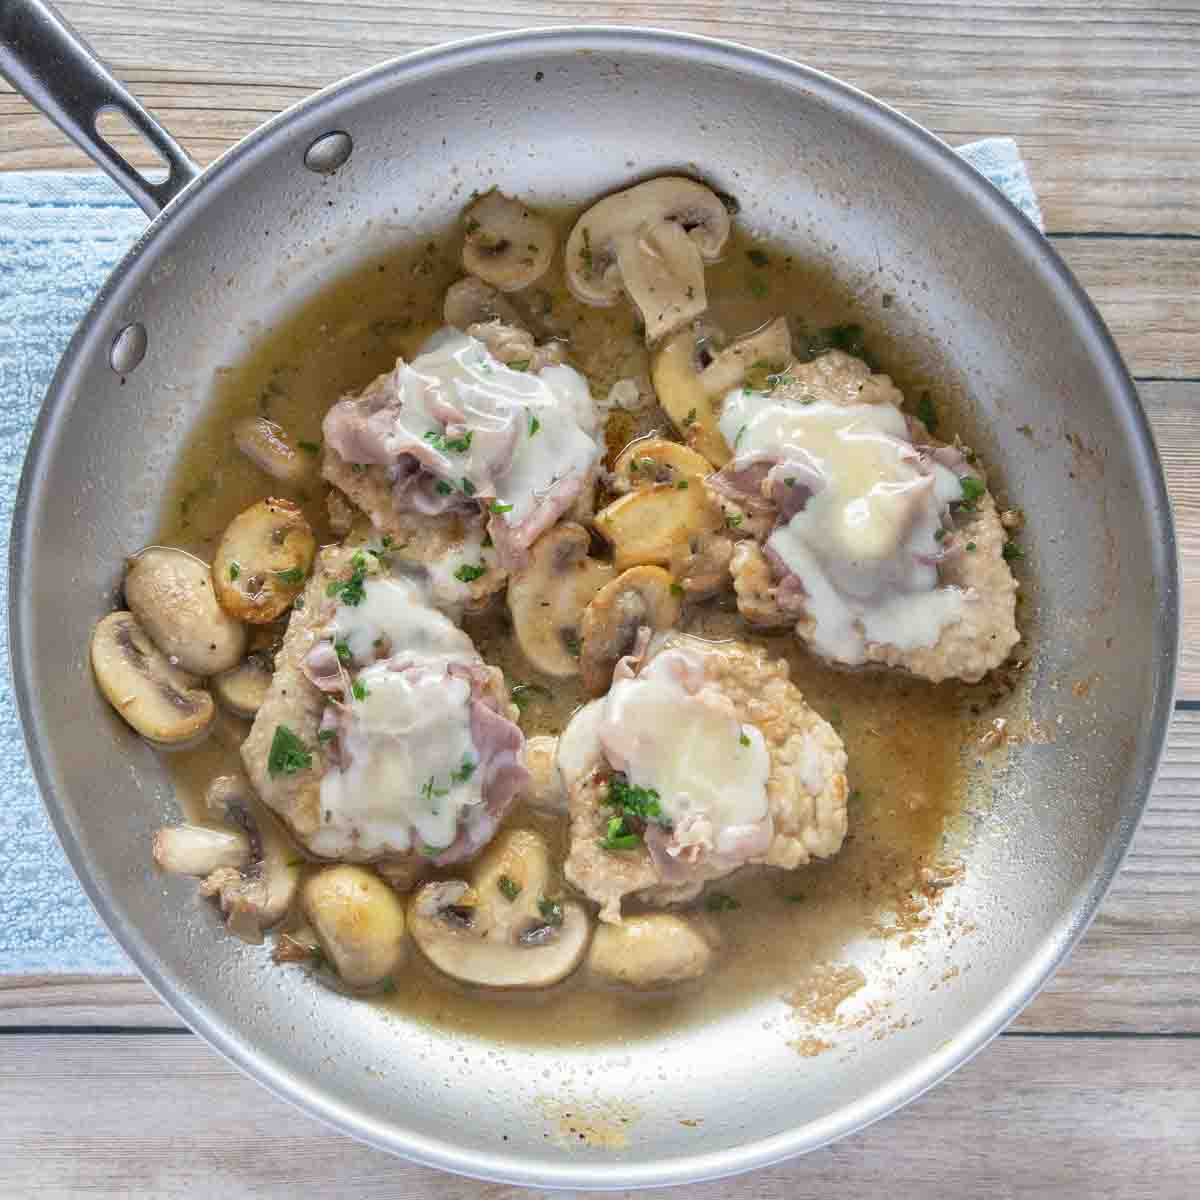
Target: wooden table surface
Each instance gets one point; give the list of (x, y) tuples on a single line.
[(1095, 1091)]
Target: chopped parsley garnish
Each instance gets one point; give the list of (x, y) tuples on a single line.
[(523, 694), (926, 412), (780, 379), (510, 889), (854, 797), (551, 910), (534, 424), (690, 419), (292, 575), (439, 441), (386, 541), (571, 641), (681, 486), (468, 574), (443, 488), (618, 837), (310, 447), (676, 588), (1012, 552), (464, 772), (939, 535), (342, 649), (351, 591), (472, 225), (288, 754), (430, 790), (497, 507), (721, 902), (326, 735), (835, 716), (521, 364), (358, 690), (741, 433), (971, 547), (733, 520), (757, 257), (758, 287), (632, 801), (487, 542), (972, 489), (790, 481), (744, 740), (795, 898), (235, 569), (468, 487)]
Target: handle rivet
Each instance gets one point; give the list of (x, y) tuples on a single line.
[(128, 348), (328, 152)]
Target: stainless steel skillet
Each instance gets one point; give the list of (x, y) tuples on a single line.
[(977, 296)]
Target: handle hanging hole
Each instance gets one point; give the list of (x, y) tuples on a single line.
[(123, 137)]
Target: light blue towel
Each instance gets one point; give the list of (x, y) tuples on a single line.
[(60, 236)]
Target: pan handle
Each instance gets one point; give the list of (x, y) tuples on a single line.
[(57, 71)]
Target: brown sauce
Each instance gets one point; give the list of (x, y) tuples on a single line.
[(908, 742)]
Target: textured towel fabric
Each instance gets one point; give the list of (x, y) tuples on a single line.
[(60, 236)]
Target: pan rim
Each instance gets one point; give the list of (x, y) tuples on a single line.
[(988, 1021)]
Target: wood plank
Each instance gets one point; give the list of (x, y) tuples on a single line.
[(1108, 121), (1174, 412), (163, 1116), (1135, 971)]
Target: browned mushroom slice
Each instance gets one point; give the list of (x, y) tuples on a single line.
[(658, 460), (243, 688), (547, 598), (507, 244), (642, 597), (650, 524), (650, 242), (656, 950), (359, 922), (161, 702), (263, 561), (503, 928), (690, 382), (170, 592), (270, 448)]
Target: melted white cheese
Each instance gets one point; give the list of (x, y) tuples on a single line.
[(395, 617), (548, 419), (857, 545), (709, 770), (406, 744)]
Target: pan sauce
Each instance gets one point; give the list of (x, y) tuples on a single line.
[(910, 744)]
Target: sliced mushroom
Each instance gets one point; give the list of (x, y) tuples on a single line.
[(507, 244), (547, 597), (690, 382), (470, 301), (701, 566), (545, 790), (199, 849), (650, 524), (359, 922), (243, 688), (263, 560), (638, 598), (658, 460), (170, 592), (653, 951), (651, 241), (257, 896), (268, 446), (162, 703), (503, 929)]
